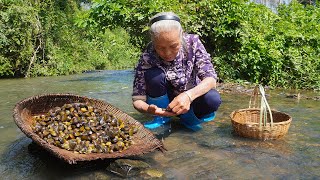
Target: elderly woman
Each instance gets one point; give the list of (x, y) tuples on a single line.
[(175, 76)]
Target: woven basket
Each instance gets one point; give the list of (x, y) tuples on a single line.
[(260, 123), (144, 140)]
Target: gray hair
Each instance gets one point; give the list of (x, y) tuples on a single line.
[(164, 25)]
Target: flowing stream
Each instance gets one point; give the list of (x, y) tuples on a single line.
[(212, 153)]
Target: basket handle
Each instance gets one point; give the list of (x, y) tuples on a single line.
[(264, 106)]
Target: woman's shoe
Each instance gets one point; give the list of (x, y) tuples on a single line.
[(191, 121), (161, 102), (156, 122)]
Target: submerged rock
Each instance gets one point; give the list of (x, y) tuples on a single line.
[(152, 173), (127, 167)]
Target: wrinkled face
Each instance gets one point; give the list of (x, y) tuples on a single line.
[(167, 44)]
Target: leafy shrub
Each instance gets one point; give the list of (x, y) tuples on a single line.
[(39, 38), (247, 41), (18, 25)]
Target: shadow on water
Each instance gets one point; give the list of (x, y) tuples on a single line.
[(212, 153)]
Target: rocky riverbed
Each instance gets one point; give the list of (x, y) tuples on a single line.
[(247, 88)]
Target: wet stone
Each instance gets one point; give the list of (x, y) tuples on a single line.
[(101, 176), (127, 167), (152, 173)]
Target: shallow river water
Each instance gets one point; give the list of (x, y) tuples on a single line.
[(212, 153)]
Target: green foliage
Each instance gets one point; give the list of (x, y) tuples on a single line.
[(247, 41), (131, 15), (18, 25), (39, 38), (301, 44), (280, 49)]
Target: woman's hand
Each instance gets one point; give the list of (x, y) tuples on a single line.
[(155, 110), (143, 107), (181, 103)]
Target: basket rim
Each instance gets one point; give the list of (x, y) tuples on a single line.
[(23, 124), (232, 114)]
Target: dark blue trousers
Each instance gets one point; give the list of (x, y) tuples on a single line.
[(157, 85)]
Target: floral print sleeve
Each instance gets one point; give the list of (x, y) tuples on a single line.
[(202, 64), (139, 84)]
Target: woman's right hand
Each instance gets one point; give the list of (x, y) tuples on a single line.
[(181, 103)]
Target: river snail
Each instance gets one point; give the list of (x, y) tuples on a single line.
[(82, 128)]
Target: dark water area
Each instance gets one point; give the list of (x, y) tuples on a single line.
[(212, 153)]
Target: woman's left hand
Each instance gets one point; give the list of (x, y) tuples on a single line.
[(153, 109), (180, 104)]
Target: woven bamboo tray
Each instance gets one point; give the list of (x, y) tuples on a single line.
[(144, 140), (260, 123)]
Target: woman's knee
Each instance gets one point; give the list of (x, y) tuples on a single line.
[(207, 103), (213, 99)]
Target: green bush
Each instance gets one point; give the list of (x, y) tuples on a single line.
[(280, 49), (40, 38), (247, 41), (18, 26)]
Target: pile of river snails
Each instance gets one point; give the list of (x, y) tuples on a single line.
[(81, 128)]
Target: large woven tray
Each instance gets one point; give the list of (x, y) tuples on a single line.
[(144, 140)]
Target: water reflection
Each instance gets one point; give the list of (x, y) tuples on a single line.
[(212, 153)]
